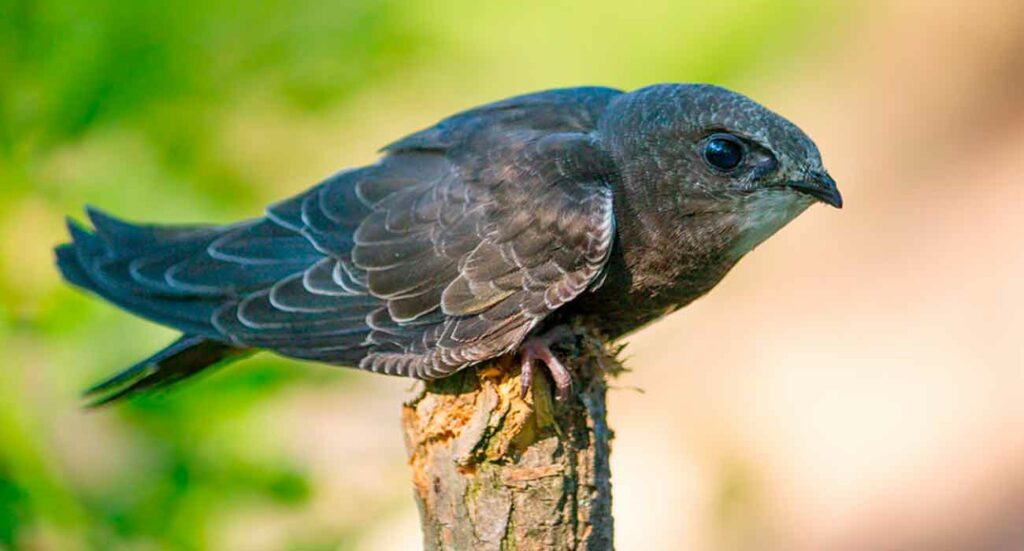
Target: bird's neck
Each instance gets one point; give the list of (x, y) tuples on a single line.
[(663, 260), (681, 260), (656, 269)]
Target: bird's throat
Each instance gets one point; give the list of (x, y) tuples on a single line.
[(759, 216)]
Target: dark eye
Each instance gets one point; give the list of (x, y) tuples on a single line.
[(723, 151)]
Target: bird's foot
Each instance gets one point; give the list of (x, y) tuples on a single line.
[(538, 348)]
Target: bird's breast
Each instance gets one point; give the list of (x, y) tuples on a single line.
[(633, 295)]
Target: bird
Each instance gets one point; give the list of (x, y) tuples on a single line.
[(481, 236)]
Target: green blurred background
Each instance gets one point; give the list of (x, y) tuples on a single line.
[(189, 111)]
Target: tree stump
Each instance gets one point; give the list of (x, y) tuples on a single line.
[(492, 470)]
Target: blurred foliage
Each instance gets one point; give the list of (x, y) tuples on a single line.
[(136, 106)]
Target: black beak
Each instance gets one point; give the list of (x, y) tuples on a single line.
[(821, 186)]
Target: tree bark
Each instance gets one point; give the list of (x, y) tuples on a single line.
[(492, 470)]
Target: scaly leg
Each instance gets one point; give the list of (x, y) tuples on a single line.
[(538, 348)]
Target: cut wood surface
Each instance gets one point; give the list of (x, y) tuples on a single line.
[(492, 470)]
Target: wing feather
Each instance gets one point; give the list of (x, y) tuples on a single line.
[(446, 252)]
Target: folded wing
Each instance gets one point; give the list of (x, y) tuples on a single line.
[(446, 252)]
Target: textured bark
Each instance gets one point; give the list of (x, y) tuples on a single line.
[(494, 471)]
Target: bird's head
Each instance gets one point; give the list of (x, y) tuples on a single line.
[(704, 150)]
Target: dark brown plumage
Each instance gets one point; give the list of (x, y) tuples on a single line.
[(466, 237)]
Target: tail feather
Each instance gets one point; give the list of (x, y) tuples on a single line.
[(130, 239), (95, 261), (71, 268), (182, 359), (86, 260)]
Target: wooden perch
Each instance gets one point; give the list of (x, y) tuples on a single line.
[(494, 471)]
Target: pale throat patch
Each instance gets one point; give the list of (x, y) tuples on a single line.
[(763, 214)]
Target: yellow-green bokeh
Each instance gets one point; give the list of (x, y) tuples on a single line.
[(206, 110)]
